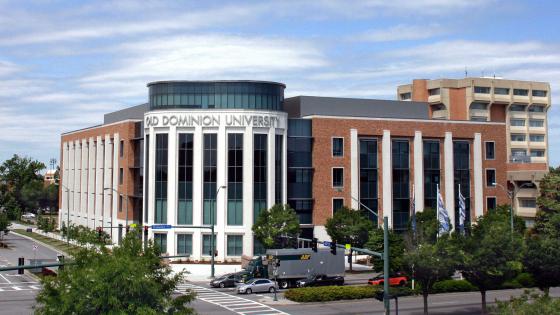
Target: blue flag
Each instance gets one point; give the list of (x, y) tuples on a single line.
[(462, 212), (443, 216), (413, 213)]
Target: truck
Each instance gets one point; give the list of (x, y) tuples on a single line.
[(296, 264)]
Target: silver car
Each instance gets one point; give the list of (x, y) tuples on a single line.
[(258, 285)]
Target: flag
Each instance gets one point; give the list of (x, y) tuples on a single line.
[(462, 211), (413, 213), (443, 216)]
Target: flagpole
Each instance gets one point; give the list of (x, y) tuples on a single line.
[(461, 226), (437, 208)]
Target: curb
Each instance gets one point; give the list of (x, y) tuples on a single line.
[(46, 245)]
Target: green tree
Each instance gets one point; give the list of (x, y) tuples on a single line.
[(127, 280), (396, 250), (491, 254), (280, 220), (528, 303), (4, 224), (348, 226)]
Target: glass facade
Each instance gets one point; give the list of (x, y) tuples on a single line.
[(184, 244), (300, 170), (234, 245), (146, 175), (209, 178), (185, 180), (431, 161), (208, 95), (160, 215), (461, 165), (258, 247), (401, 184), (260, 170), (235, 179), (278, 166), (160, 240), (369, 177)]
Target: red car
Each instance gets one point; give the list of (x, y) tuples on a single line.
[(396, 280)]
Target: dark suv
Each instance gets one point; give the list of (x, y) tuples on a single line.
[(228, 280), (320, 280)]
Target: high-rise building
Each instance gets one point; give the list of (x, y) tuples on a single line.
[(521, 105)]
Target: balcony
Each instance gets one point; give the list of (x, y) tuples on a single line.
[(518, 144), (515, 114), (540, 99), (521, 99), (485, 97), (502, 98), (479, 113), (520, 159), (517, 129), (439, 114), (434, 98)]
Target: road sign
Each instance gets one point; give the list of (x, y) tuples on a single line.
[(161, 227), (348, 246), (35, 247), (326, 243), (133, 225)]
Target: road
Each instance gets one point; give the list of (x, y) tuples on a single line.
[(17, 292)]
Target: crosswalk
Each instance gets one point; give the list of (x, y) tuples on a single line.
[(20, 287), (230, 302)]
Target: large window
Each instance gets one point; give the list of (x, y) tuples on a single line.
[(184, 244), (536, 123), (490, 177), (337, 147), (401, 183), (300, 171), (536, 138), (461, 164), (501, 91), (234, 245), (161, 179), (207, 244), (278, 167), (539, 93), (517, 108), (259, 174), (431, 172), (490, 150), (521, 92), (482, 89), (406, 96), (528, 203), (517, 122), (368, 177), (536, 109), (537, 153), (338, 177), (299, 151), (517, 137), (337, 203), (160, 240), (303, 208), (209, 185), (235, 179), (185, 179), (433, 91), (258, 247), (490, 203)]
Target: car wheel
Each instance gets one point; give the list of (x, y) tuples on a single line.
[(248, 291), (284, 284), (272, 290), (222, 285)]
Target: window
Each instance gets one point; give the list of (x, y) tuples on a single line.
[(121, 175), (536, 109), (477, 105), (234, 245), (517, 122), (490, 203), (433, 91), (235, 179), (431, 172), (337, 203), (303, 209), (517, 137), (209, 178), (490, 177), (206, 244), (258, 248), (120, 203), (528, 203), (368, 177), (521, 92), (536, 138), (338, 177), (406, 96), (517, 108), (482, 89), (478, 118), (537, 153), (501, 91), (536, 123), (518, 152), (160, 215), (539, 93), (260, 170), (121, 148), (279, 174), (185, 179), (461, 164), (338, 147), (160, 240), (184, 244), (490, 150), (401, 181)]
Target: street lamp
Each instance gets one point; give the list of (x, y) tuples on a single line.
[(120, 194), (212, 249), (366, 207), (511, 194), (67, 214)]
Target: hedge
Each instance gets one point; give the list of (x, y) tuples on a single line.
[(331, 293), (446, 286), (523, 280)]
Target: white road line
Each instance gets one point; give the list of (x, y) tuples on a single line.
[(8, 281)]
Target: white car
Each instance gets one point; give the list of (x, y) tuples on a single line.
[(258, 285), (28, 216)]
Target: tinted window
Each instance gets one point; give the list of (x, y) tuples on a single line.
[(490, 150), (337, 146), (482, 89), (490, 178), (520, 92), (501, 91), (338, 177), (539, 93)]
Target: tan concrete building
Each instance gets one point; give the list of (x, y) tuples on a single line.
[(522, 105)]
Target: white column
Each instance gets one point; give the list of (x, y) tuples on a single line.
[(77, 178), (84, 183), (248, 190), (172, 179), (150, 192), (387, 177), (285, 166), (71, 179), (198, 147), (449, 177), (354, 170), (91, 183), (115, 157), (64, 206), (477, 170), (271, 175), (108, 184), (418, 172), (221, 198), (99, 181)]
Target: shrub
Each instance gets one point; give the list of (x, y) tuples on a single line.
[(523, 280), (331, 293), (527, 304), (453, 286)]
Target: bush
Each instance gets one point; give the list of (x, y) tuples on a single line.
[(523, 280), (528, 304), (446, 286), (331, 293)]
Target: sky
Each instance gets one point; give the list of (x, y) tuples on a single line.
[(63, 64)]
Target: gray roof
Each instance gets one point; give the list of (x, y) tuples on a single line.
[(302, 106), (134, 112)]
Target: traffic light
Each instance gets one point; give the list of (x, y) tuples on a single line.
[(127, 228), (99, 231), (333, 248), (314, 244)]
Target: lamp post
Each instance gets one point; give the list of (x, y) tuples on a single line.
[(511, 194), (212, 249), (122, 195), (67, 214)]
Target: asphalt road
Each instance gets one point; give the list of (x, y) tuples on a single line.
[(17, 292)]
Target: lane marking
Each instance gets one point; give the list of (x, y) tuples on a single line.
[(8, 281)]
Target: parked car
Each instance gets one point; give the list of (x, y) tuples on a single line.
[(227, 280), (257, 285), (320, 280), (28, 216), (394, 280)]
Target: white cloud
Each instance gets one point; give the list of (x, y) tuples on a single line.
[(400, 32)]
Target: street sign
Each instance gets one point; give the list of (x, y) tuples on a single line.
[(161, 227), (35, 247), (326, 243), (133, 225), (348, 246)]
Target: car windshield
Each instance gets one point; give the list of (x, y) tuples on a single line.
[(251, 281)]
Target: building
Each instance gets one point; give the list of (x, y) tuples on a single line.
[(50, 177), (522, 105), (220, 152)]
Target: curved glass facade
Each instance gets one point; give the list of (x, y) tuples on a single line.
[(216, 94)]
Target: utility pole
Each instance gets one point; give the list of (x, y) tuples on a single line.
[(386, 296)]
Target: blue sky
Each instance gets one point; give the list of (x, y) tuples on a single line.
[(63, 64)]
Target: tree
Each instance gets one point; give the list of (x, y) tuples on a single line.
[(396, 250), (21, 184), (4, 224), (280, 220), (127, 280), (348, 226), (491, 254)]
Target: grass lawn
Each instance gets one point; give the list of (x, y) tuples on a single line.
[(60, 245)]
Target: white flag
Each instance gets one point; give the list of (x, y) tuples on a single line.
[(443, 216)]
